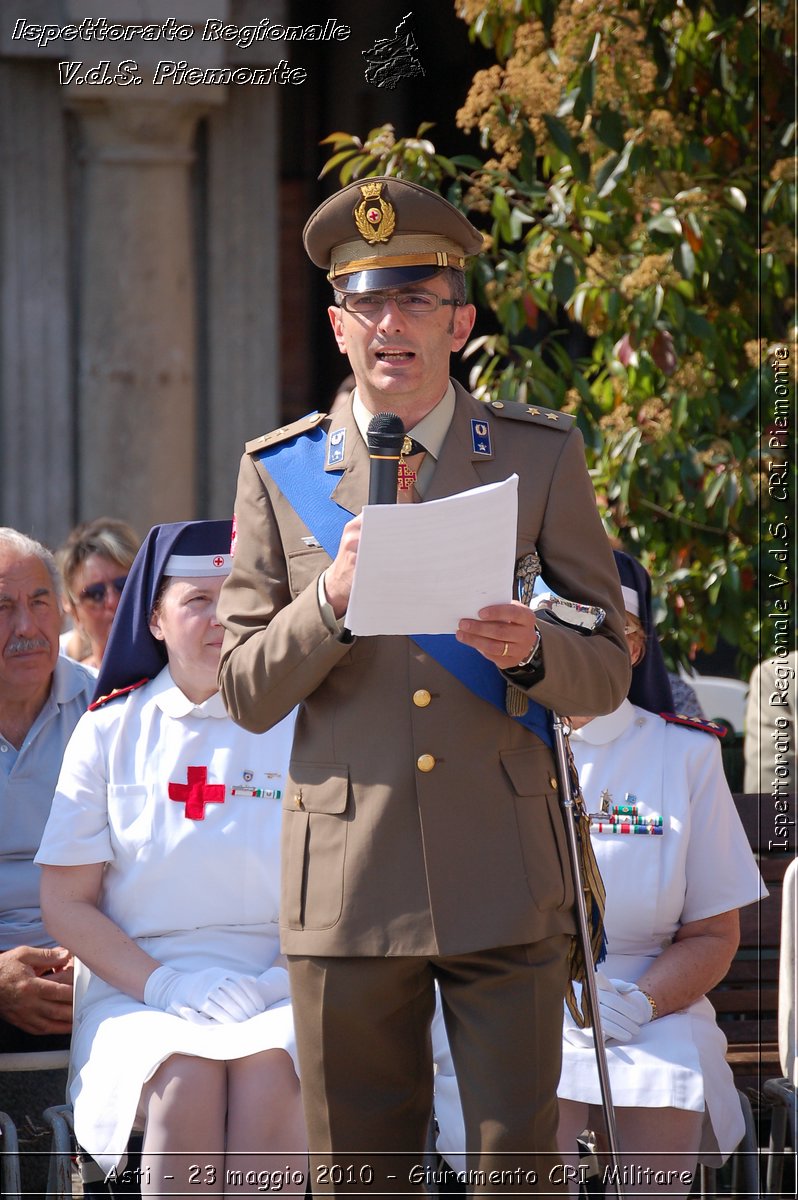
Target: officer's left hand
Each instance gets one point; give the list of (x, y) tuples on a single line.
[(504, 633)]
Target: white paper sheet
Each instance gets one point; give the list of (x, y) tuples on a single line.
[(422, 567)]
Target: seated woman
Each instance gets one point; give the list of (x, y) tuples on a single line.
[(160, 872), (672, 928), (94, 563)]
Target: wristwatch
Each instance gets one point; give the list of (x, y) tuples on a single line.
[(530, 670)]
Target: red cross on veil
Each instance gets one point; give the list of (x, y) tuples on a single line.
[(197, 793)]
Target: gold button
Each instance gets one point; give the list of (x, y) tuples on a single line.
[(496, 404), (422, 698), (426, 762), (552, 782)]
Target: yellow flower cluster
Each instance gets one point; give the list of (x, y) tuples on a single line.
[(654, 419), (540, 70), (785, 168), (755, 351), (689, 376), (571, 401), (661, 129), (616, 422), (654, 268), (600, 267), (780, 241), (539, 258)]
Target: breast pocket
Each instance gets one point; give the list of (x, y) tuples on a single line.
[(130, 817), (304, 567), (540, 827), (315, 825)]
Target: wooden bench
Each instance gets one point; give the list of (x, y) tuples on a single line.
[(746, 1000)]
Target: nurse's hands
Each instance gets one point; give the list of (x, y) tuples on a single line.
[(204, 997), (623, 1011), (273, 986)]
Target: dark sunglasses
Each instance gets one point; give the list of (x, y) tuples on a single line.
[(95, 593)]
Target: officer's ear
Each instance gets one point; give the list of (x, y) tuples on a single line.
[(336, 320)]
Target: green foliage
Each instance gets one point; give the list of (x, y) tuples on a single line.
[(636, 184)]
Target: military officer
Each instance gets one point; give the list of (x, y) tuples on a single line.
[(422, 838)]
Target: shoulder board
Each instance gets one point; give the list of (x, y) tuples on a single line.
[(303, 425), (116, 693), (533, 413), (693, 723)]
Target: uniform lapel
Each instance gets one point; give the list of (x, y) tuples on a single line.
[(460, 467), (353, 488)]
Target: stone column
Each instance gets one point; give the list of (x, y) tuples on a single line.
[(136, 318)]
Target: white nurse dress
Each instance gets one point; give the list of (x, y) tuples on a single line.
[(183, 807)]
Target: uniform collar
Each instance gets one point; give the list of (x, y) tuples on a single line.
[(602, 730), (176, 704), (430, 431)]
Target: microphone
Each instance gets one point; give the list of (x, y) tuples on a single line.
[(384, 438)]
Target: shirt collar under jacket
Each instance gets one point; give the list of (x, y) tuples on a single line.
[(431, 430), (602, 730), (174, 703)]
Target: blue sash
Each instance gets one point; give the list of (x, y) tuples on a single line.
[(297, 467)]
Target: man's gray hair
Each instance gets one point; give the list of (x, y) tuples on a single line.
[(28, 547)]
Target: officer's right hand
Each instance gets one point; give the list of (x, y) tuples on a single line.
[(338, 576)]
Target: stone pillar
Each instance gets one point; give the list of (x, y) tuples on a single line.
[(136, 306)]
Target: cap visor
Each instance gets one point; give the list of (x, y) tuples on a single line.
[(386, 277)]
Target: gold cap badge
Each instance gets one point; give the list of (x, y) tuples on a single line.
[(375, 218)]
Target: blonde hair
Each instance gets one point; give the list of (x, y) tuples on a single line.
[(110, 538)]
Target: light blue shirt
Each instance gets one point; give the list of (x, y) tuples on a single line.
[(27, 782)]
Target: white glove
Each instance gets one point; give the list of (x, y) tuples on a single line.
[(623, 1010), (273, 986), (212, 995)]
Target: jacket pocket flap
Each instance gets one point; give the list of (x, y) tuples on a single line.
[(529, 770), (317, 787)]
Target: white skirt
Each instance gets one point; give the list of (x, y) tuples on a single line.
[(118, 1043), (677, 1061)]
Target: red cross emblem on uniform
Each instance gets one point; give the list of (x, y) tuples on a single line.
[(218, 561), (406, 476), (197, 793)]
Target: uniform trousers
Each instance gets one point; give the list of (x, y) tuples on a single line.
[(365, 1056)]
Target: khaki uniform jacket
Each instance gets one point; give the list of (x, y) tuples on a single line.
[(379, 856)]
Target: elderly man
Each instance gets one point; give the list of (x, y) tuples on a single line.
[(422, 838), (42, 696)]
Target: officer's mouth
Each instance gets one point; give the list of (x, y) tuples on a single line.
[(395, 356)]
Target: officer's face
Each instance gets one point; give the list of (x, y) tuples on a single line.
[(403, 357), (30, 622), (186, 622)]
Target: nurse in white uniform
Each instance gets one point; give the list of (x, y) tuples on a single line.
[(160, 872), (672, 927)]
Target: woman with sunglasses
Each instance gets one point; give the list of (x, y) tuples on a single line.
[(160, 867), (94, 563)]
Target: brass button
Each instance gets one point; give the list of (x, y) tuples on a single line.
[(422, 698), (552, 783), (496, 404), (426, 762)]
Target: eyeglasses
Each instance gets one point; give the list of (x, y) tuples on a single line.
[(368, 304), (95, 593)]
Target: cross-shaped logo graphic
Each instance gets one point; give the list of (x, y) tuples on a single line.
[(197, 793)]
